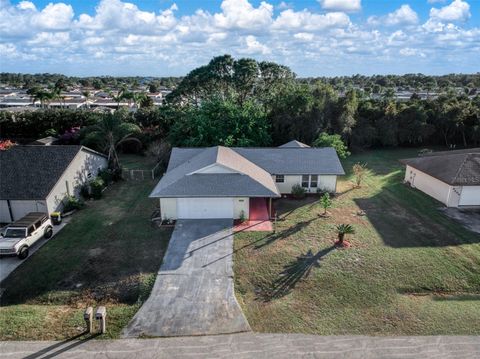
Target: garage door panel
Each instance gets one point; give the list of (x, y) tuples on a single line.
[(470, 196), (204, 208)]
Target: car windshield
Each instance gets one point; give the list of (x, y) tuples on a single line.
[(15, 232)]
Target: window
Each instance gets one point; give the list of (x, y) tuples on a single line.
[(38, 224), (313, 181), (279, 178), (89, 175), (305, 181), (30, 230)]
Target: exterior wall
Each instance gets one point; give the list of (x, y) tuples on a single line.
[(290, 181), (470, 196), (75, 175), (325, 183), (215, 169), (239, 205), (429, 185), (168, 208), (20, 209), (4, 213)]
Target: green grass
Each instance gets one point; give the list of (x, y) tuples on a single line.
[(410, 270), (136, 162), (107, 255)]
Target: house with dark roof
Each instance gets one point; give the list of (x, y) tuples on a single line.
[(39, 178), (221, 182), (451, 177)]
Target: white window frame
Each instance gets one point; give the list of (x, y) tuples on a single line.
[(279, 178)]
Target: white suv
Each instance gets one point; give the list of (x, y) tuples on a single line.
[(19, 236)]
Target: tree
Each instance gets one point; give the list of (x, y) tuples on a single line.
[(109, 133), (335, 141), (342, 230), (359, 172), (219, 122), (347, 118), (325, 202)]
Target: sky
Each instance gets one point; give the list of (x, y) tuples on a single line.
[(170, 38)]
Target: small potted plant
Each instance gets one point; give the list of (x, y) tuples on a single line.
[(56, 218)]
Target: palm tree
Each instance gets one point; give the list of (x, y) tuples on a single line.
[(342, 230), (138, 98), (88, 95), (109, 133)]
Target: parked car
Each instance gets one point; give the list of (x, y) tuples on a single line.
[(19, 236)]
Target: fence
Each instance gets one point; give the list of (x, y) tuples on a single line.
[(140, 175)]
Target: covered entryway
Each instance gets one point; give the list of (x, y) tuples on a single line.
[(204, 208)]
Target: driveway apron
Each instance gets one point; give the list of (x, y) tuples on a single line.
[(193, 293)]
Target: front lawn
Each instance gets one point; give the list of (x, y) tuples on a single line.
[(108, 254), (410, 270)]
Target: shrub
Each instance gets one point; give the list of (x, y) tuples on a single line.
[(298, 191), (325, 202), (85, 191), (335, 141), (96, 187), (359, 172), (106, 175), (72, 203)]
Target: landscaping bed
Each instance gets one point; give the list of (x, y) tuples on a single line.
[(410, 270)]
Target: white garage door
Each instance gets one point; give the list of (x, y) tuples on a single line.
[(202, 208), (470, 196), (21, 208)]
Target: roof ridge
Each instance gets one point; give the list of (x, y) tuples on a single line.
[(460, 168)]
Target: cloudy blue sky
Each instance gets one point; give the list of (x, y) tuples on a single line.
[(166, 37)]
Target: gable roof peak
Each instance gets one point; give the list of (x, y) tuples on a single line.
[(294, 144)]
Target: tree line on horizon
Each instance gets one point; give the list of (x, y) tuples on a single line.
[(244, 102)]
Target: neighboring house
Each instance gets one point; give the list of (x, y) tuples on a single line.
[(221, 182), (38, 178), (451, 177)]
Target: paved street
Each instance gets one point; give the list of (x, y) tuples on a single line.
[(193, 293), (249, 345)]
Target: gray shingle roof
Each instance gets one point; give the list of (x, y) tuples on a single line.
[(30, 172), (294, 144), (250, 180), (255, 165), (456, 168)]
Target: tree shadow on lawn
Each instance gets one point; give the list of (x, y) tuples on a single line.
[(269, 239), (295, 272), (284, 207), (405, 217)]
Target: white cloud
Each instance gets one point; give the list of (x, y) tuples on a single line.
[(404, 15), (305, 20), (341, 5), (123, 38), (242, 15), (26, 5), (458, 10)]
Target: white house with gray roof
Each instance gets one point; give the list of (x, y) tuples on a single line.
[(220, 182), (39, 178)]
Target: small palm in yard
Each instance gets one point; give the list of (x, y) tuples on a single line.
[(359, 172), (325, 202), (342, 230)]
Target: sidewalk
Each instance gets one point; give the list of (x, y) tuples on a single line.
[(251, 345)]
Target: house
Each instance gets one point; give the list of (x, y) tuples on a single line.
[(221, 182), (39, 178), (451, 177)]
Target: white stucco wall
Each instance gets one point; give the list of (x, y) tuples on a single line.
[(75, 175), (241, 204), (325, 183), (431, 186), (470, 196), (168, 208)]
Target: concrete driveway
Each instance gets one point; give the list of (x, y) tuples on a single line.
[(193, 293), (9, 264)]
